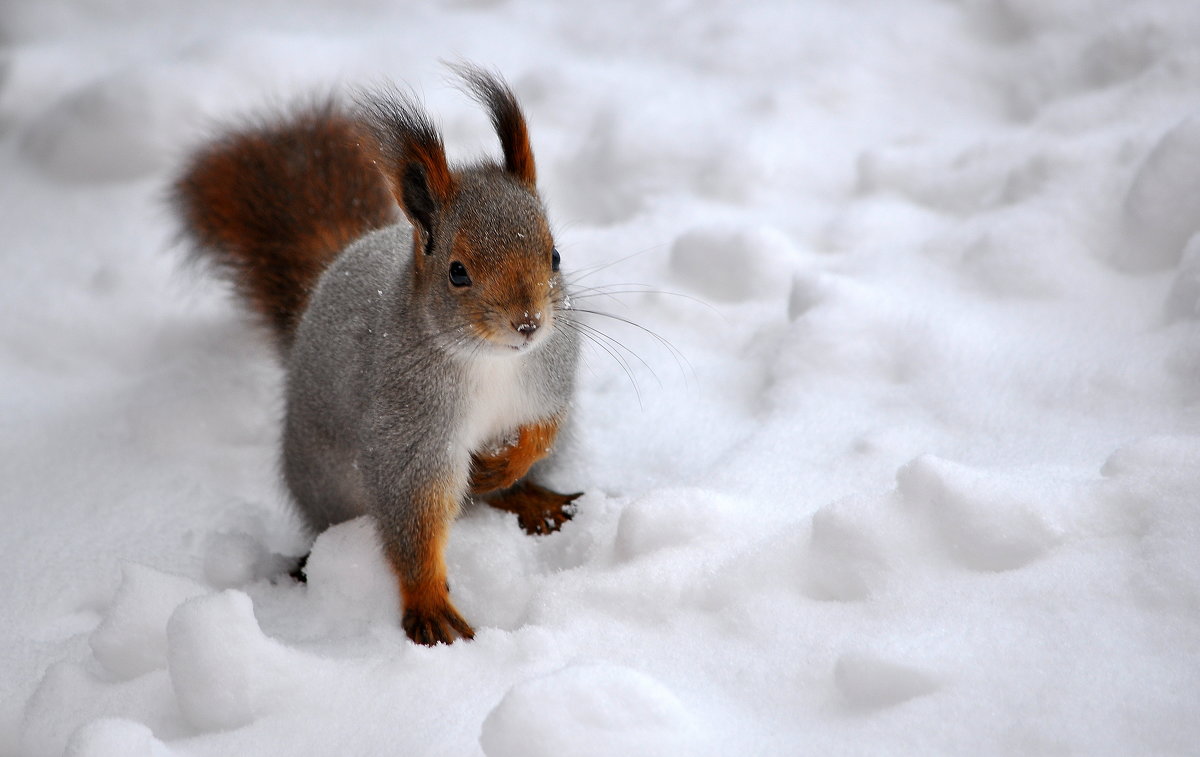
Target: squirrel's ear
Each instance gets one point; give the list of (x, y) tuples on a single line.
[(491, 91), (412, 158)]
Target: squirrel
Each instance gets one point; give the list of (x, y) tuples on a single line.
[(420, 312)]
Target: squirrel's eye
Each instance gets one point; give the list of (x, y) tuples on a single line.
[(458, 275), (555, 259)]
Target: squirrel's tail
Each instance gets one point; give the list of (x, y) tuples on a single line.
[(274, 203)]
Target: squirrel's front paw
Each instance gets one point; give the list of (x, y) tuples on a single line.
[(493, 471), (439, 624), (500, 467), (538, 509)]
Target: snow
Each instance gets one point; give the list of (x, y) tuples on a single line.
[(1163, 193), (597, 710), (912, 470)]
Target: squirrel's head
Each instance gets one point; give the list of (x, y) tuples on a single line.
[(484, 260)]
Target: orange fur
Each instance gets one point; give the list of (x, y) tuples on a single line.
[(538, 509), (420, 567), (507, 119), (491, 471), (432, 157), (518, 154), (409, 151), (273, 204)]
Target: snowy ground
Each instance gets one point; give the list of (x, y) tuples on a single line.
[(925, 480)]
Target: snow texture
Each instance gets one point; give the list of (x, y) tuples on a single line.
[(909, 464)]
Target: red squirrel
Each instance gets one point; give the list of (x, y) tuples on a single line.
[(420, 311)]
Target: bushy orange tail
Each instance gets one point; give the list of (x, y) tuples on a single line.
[(274, 203)]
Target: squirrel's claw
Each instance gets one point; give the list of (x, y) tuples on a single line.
[(440, 625), (538, 509)]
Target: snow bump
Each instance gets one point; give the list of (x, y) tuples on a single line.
[(1162, 209), (985, 521), (590, 711), (131, 640), (349, 579), (224, 670), (673, 518), (113, 737), (734, 263), (1183, 299), (868, 681), (844, 561)]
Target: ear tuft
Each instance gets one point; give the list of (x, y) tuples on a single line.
[(491, 91), (411, 155)]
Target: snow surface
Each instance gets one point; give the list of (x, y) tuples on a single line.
[(918, 473)]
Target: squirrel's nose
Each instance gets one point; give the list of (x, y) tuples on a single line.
[(527, 325)]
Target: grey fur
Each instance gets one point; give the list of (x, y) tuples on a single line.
[(423, 348), (379, 376)]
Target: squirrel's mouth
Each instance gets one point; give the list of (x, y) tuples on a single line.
[(516, 334), (512, 348), (518, 342)]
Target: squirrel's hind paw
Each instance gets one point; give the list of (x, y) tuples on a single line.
[(299, 573), (435, 625)]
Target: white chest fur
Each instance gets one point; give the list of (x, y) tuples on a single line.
[(498, 401)]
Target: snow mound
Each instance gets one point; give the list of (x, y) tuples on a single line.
[(224, 671), (734, 264), (809, 289), (590, 711), (1177, 457), (869, 681), (131, 640), (1162, 208), (1183, 299), (112, 737), (349, 580), (845, 560), (1150, 493), (71, 695), (635, 156), (672, 519), (985, 522)]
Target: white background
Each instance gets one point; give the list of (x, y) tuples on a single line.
[(921, 479)]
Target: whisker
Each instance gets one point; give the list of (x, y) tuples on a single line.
[(679, 357), (568, 323), (644, 289), (618, 345), (583, 273), (586, 292)]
